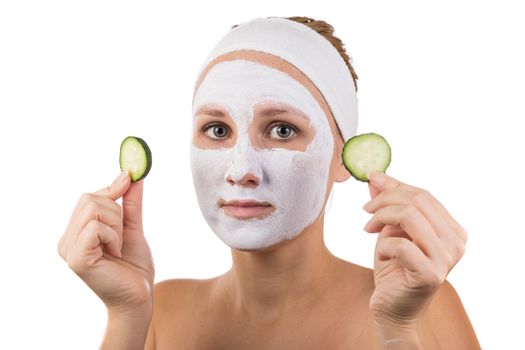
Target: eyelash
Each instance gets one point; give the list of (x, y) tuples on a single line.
[(294, 129)]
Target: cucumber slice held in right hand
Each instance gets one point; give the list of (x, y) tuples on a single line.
[(366, 153), (135, 157)]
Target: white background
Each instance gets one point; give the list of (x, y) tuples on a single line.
[(442, 81)]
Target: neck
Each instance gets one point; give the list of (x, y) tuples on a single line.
[(288, 276)]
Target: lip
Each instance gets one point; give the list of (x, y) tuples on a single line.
[(245, 209), (244, 203)]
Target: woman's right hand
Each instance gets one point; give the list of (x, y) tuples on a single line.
[(105, 246)]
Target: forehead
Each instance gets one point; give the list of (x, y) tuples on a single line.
[(246, 83), (264, 109), (270, 61)]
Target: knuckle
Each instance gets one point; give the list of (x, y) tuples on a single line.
[(92, 225), (420, 196), (449, 260), (73, 263), (92, 207), (410, 212), (59, 250), (86, 197), (91, 228), (114, 210), (460, 249), (62, 243), (403, 246), (434, 279), (463, 234)]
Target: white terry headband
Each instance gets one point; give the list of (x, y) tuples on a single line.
[(308, 51)]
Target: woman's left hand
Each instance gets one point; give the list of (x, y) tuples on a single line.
[(419, 243)]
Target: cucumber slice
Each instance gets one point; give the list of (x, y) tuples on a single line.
[(135, 157), (366, 153)]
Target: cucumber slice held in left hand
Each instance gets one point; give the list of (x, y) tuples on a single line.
[(135, 157), (366, 153)]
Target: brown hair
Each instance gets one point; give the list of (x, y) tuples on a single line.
[(326, 30)]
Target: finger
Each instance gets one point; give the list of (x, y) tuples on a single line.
[(394, 231), (111, 216), (87, 251), (410, 219), (132, 207), (444, 225), (95, 209), (99, 234), (117, 188), (382, 181), (85, 211), (405, 251)]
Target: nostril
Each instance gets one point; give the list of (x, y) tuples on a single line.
[(249, 180), (250, 183)]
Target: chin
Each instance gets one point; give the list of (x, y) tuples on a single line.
[(265, 249)]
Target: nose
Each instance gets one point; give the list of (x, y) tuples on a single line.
[(245, 168), (248, 180)]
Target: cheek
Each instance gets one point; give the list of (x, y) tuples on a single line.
[(294, 174), (302, 187), (308, 163), (208, 166)]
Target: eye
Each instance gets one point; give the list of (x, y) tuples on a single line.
[(218, 130), (283, 132)]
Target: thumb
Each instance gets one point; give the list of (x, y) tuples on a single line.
[(117, 188), (132, 206)]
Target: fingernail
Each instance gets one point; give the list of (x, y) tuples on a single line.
[(367, 205), (378, 178), (122, 177)]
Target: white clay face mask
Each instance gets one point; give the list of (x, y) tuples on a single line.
[(294, 182)]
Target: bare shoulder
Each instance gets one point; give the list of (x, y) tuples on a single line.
[(364, 277), (449, 321), (176, 288), (180, 307), (181, 294)]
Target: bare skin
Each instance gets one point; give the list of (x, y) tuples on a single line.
[(296, 294), (293, 295)]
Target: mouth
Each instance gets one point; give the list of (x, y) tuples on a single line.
[(246, 209)]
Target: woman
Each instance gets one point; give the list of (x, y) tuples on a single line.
[(268, 132)]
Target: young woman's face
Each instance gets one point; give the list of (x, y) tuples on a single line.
[(259, 135)]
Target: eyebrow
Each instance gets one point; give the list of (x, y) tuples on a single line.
[(266, 112), (210, 111)]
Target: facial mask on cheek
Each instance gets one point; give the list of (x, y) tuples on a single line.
[(294, 182)]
